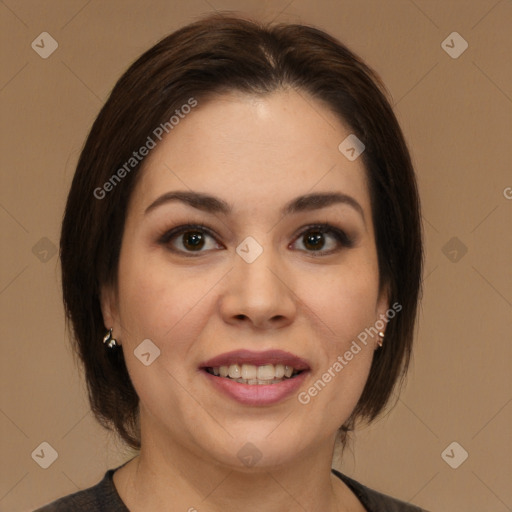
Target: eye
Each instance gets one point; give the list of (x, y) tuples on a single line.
[(315, 239), (189, 238)]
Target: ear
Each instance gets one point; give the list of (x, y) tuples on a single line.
[(383, 303), (109, 308), (383, 300)]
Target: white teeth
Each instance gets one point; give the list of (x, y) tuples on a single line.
[(266, 372), (234, 371), (254, 375), (249, 371)]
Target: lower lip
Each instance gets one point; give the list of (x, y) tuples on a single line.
[(257, 394)]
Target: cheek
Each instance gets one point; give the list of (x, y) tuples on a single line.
[(155, 299), (346, 301), (347, 310), (169, 308)]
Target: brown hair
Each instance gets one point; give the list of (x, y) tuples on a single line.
[(221, 53)]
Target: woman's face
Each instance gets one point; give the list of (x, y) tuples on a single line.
[(283, 277)]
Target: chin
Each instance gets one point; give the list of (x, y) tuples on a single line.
[(256, 449)]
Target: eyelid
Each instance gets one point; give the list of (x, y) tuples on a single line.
[(183, 228)]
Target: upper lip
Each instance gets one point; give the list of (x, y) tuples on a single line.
[(257, 358)]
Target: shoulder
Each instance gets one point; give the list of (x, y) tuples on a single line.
[(375, 501), (101, 497)]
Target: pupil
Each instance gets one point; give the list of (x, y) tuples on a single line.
[(315, 240), (194, 240)]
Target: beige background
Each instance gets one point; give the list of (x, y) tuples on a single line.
[(456, 115)]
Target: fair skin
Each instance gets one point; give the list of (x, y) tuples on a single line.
[(256, 154)]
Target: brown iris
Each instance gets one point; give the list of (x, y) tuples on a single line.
[(314, 240), (193, 240)]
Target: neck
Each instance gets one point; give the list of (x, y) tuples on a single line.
[(167, 476)]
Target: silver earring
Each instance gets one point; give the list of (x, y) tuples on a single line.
[(380, 341), (109, 340)]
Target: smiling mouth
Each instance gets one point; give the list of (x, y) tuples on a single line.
[(255, 375)]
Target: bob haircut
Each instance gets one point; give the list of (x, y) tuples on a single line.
[(215, 55)]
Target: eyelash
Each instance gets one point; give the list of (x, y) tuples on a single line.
[(340, 236)]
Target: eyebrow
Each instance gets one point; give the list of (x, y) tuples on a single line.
[(212, 204)]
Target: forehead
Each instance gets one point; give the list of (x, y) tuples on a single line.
[(254, 151)]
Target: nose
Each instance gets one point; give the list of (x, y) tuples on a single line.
[(259, 294)]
